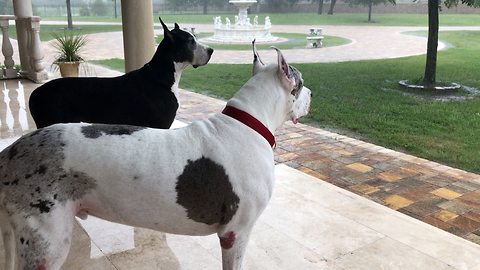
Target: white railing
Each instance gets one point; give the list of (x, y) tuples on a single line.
[(36, 67), (37, 72), (9, 71)]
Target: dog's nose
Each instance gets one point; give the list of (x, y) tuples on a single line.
[(210, 51)]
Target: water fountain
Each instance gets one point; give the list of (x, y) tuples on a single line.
[(242, 31)]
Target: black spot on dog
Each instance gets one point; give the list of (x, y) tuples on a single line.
[(98, 130), (22, 240), (34, 181), (13, 152), (35, 133), (43, 206), (37, 245), (41, 170), (205, 191), (298, 81)]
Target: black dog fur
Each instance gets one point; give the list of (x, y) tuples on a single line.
[(141, 97)]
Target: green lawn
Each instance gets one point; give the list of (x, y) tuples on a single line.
[(46, 30), (363, 99)]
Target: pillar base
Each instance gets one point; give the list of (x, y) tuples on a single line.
[(38, 77)]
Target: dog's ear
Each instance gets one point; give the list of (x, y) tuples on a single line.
[(257, 62), (283, 70), (177, 27), (166, 32)]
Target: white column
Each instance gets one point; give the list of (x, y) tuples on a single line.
[(138, 36), (22, 9)]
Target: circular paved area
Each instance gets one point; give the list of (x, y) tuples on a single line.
[(367, 42)]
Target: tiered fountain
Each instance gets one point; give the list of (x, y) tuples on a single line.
[(242, 31)]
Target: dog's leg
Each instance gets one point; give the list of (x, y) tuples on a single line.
[(43, 240), (233, 246), (8, 239)]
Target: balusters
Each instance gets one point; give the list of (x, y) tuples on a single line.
[(37, 72), (7, 49)]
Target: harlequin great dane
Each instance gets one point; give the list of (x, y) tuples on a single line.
[(144, 97), (212, 176)]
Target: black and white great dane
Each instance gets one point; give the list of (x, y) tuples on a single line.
[(212, 176), (144, 97)]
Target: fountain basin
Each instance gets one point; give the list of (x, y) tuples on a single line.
[(242, 34), (240, 3), (242, 30)]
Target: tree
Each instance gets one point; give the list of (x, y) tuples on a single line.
[(280, 3), (177, 5), (429, 77), (99, 8), (6, 7), (184, 4), (369, 3), (332, 4), (115, 7), (205, 5), (320, 6), (69, 15), (84, 11)]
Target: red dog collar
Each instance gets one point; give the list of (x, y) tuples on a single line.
[(251, 122)]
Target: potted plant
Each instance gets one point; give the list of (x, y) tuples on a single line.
[(68, 48)]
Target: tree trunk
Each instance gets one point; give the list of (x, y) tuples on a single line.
[(320, 7), (432, 43), (332, 4), (370, 11), (115, 7), (205, 6), (69, 15)]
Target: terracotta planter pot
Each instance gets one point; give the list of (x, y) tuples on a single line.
[(68, 69)]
